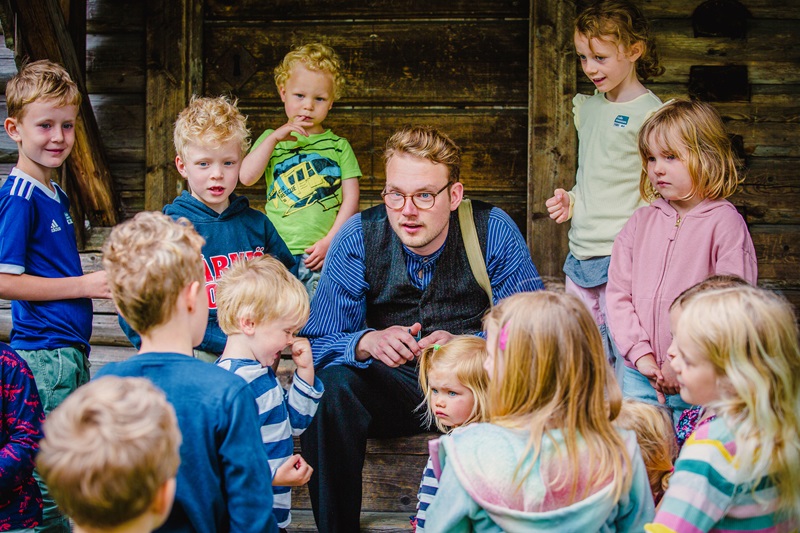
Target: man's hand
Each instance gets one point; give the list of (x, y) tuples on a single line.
[(392, 346), (295, 472), (647, 367), (437, 337), (558, 206)]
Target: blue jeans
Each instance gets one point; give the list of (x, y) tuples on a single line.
[(309, 278), (637, 386), (57, 374)]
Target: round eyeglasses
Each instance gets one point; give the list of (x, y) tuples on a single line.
[(421, 200)]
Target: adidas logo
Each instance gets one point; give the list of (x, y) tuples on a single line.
[(54, 227)]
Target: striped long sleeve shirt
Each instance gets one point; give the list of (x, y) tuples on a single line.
[(706, 492), (282, 414), (338, 311)]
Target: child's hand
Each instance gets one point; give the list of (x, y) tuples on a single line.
[(558, 206), (301, 353), (96, 285), (284, 133), (669, 385), (316, 254), (647, 367), (303, 358), (295, 472)]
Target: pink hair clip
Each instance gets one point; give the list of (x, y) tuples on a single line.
[(503, 340)]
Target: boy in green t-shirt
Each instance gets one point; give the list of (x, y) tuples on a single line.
[(311, 173)]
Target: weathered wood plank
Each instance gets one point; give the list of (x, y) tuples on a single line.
[(303, 522), (89, 177), (391, 475), (431, 62), (656, 9), (778, 251), (770, 193), (104, 16), (348, 9), (115, 63), (769, 51), (552, 137), (122, 119), (174, 72)]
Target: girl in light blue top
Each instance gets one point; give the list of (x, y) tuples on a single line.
[(549, 460)]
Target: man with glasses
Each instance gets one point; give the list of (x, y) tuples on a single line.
[(396, 280)]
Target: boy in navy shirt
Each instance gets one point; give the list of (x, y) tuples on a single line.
[(155, 270), (40, 269), (211, 139)]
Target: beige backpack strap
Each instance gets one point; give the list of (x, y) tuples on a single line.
[(470, 237)]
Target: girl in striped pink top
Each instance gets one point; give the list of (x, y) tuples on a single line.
[(736, 353)]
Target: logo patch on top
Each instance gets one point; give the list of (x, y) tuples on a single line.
[(69, 218), (621, 121), (54, 227)]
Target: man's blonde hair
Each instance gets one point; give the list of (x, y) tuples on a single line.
[(262, 289), (316, 57), (40, 80), (149, 260), (210, 122), (426, 142), (108, 449)]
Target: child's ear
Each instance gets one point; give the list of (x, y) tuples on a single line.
[(192, 291), (247, 325), (162, 503), (10, 125), (635, 51), (180, 165), (282, 92)]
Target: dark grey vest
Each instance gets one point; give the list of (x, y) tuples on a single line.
[(453, 301)]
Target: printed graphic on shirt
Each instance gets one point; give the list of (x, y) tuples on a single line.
[(621, 121), (54, 227), (216, 265), (304, 180)]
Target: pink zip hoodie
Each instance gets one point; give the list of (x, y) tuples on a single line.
[(658, 255)]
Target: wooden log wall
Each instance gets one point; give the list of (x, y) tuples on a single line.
[(458, 65), (466, 67)]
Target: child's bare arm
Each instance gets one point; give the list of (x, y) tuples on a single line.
[(255, 163), (38, 289), (349, 207)]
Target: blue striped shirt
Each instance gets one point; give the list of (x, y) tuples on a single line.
[(339, 308), (281, 415)]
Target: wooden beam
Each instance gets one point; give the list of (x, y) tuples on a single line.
[(174, 73), (552, 154), (43, 34)]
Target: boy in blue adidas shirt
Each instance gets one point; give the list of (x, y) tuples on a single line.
[(261, 305), (40, 269), (211, 139)]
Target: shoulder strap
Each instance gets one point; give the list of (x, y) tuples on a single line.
[(470, 236)]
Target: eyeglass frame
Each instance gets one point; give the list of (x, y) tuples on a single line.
[(384, 194)]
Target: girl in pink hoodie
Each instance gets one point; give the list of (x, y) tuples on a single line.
[(687, 233)]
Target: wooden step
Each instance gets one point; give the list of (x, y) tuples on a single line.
[(303, 522)]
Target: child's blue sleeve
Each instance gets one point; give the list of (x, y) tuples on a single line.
[(16, 221), (302, 401)]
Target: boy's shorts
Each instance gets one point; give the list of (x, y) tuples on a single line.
[(57, 373)]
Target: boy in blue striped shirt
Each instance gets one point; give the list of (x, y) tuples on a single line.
[(260, 306)]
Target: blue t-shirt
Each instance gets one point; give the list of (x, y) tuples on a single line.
[(37, 237)]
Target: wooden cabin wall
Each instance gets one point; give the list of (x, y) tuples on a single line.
[(463, 66), (764, 117), (458, 65)]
